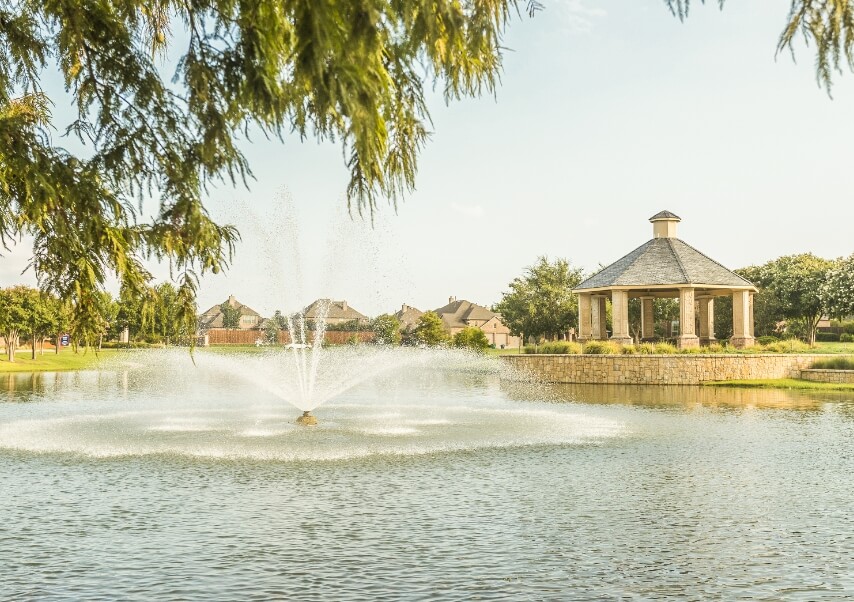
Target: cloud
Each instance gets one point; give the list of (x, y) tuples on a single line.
[(468, 210), (576, 15)]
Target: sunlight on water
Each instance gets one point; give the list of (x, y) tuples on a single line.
[(235, 407)]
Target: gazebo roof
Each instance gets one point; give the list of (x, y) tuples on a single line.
[(665, 215), (664, 261)]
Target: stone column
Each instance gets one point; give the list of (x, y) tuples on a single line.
[(687, 338), (600, 330), (741, 322), (647, 318), (750, 320), (620, 317), (707, 320), (585, 317)]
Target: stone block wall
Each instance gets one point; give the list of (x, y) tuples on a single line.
[(659, 369), (829, 376)]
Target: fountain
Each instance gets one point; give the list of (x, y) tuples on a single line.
[(306, 368)]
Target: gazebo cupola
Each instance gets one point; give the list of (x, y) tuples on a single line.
[(664, 224), (665, 267)]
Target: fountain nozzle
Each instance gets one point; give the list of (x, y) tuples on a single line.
[(307, 419)]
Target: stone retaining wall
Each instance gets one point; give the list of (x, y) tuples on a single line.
[(829, 376), (660, 369)]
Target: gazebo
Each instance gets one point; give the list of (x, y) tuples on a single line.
[(665, 267)]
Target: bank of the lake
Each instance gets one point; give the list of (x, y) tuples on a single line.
[(782, 383), (63, 361)]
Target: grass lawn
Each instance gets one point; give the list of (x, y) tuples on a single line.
[(833, 348), (52, 362), (780, 383), (507, 351)]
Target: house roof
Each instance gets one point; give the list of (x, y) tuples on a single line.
[(456, 314), (338, 310), (664, 261), (212, 318), (408, 316)]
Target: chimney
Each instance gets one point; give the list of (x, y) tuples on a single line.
[(664, 224), (344, 305), (232, 301), (451, 300), (403, 307)]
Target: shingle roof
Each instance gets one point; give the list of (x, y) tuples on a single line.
[(665, 215), (408, 316), (663, 261), (336, 309), (456, 313), (212, 318)]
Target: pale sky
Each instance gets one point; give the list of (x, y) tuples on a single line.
[(608, 112)]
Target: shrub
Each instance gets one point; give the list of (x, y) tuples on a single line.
[(716, 348), (665, 348), (834, 363), (846, 338), (646, 348), (787, 346), (628, 350), (767, 340), (601, 348), (530, 349), (471, 338), (827, 337), (562, 347), (690, 350)]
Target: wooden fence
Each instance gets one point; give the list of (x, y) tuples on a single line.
[(225, 336)]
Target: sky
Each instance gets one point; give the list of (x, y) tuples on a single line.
[(608, 113)]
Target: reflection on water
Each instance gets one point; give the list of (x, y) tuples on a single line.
[(438, 483), (682, 396)]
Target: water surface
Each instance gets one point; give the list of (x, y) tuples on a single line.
[(434, 483)]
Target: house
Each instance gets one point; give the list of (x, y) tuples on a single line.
[(335, 312), (213, 318), (457, 315), (408, 317)]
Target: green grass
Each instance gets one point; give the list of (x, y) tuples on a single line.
[(833, 348), (506, 351), (51, 362), (780, 383)]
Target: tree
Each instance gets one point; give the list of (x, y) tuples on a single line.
[(351, 71), (230, 316), (430, 330), (43, 319), (471, 338), (838, 289), (541, 302), (16, 308), (136, 310), (793, 285), (386, 330)]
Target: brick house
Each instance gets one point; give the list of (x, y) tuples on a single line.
[(213, 318), (457, 315)]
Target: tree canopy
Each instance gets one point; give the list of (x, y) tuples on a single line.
[(430, 330), (352, 72), (540, 302)]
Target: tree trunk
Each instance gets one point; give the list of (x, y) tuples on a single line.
[(100, 341), (11, 339), (58, 337), (34, 347)]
